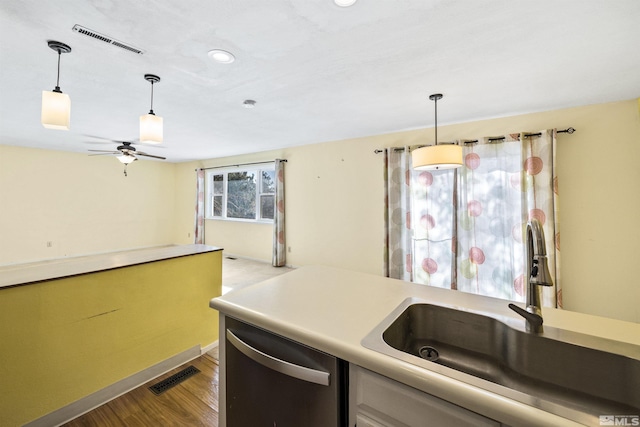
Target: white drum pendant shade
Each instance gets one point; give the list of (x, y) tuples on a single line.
[(151, 129), (437, 157), (56, 110)]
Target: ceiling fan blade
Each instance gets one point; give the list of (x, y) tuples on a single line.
[(147, 144), (102, 138), (105, 151), (140, 153), (98, 142), (108, 140), (96, 136)]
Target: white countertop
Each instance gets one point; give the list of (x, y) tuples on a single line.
[(23, 274), (332, 310)]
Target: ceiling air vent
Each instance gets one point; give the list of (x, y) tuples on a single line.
[(87, 32)]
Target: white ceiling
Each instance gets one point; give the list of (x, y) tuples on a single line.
[(318, 72)]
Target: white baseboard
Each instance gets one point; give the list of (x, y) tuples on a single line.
[(100, 397), (226, 255), (263, 261), (208, 348)]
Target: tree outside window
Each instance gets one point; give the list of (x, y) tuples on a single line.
[(241, 195)]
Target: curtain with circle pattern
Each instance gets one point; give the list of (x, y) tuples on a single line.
[(397, 214), (467, 225)]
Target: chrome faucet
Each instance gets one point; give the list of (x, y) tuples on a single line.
[(537, 275)]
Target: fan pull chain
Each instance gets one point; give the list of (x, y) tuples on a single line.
[(125, 170)]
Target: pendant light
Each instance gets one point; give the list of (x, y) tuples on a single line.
[(150, 124), (56, 106), (437, 157)]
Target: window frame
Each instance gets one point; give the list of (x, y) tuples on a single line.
[(257, 170)]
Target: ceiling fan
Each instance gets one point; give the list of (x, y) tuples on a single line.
[(126, 153)]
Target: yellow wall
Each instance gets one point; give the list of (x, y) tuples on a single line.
[(80, 204), (64, 339), (250, 240), (335, 201)]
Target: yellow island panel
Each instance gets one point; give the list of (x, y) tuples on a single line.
[(64, 339)]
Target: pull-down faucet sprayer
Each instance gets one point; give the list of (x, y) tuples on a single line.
[(537, 275)]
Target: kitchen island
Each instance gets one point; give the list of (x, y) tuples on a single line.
[(333, 310), (78, 331)]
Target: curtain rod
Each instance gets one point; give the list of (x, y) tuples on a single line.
[(568, 130), (241, 164)]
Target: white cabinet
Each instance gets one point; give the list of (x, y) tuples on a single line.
[(377, 401)]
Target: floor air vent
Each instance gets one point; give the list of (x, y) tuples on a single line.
[(90, 33), (174, 380)]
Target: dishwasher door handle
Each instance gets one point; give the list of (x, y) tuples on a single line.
[(278, 365)]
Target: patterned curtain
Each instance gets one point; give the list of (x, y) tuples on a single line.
[(542, 203), (397, 215), (469, 223), (198, 234), (279, 258)]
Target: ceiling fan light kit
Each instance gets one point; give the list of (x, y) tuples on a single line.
[(126, 153), (56, 106), (437, 157), (127, 158), (151, 126)]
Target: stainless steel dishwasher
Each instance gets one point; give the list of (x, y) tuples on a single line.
[(272, 381)]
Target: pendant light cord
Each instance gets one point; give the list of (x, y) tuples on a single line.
[(436, 116), (435, 98), (151, 110), (57, 89), (151, 78)]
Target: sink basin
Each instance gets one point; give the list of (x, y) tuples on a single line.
[(566, 369)]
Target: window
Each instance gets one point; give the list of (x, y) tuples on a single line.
[(217, 194), (464, 229), (267, 194), (243, 195)]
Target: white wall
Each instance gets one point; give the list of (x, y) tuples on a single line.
[(80, 204), (334, 194)]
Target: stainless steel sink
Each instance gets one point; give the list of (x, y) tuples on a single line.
[(558, 369)]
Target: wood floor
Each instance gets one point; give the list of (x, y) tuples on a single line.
[(193, 402)]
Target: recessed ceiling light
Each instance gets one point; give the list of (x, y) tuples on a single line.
[(221, 56), (344, 3), (249, 103)]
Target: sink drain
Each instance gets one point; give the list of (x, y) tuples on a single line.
[(429, 353)]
